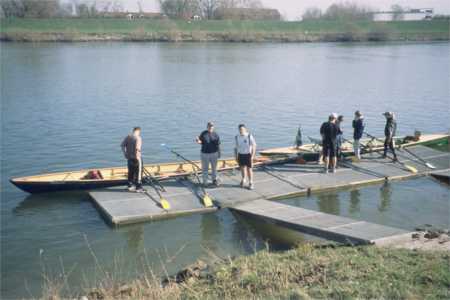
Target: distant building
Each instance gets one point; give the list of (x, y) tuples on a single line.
[(247, 14), (407, 15)]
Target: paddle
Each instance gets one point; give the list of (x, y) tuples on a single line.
[(152, 181), (207, 201), (429, 165), (410, 168)]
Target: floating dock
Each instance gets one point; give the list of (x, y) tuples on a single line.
[(443, 175), (274, 182), (327, 226)]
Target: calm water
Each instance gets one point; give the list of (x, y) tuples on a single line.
[(67, 106)]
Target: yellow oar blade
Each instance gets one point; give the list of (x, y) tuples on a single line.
[(207, 201), (164, 204), (410, 168)]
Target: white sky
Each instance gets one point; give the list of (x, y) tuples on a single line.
[(293, 9)]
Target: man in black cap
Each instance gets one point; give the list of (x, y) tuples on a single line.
[(389, 132), (210, 153), (329, 132)]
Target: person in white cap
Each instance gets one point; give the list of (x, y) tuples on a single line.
[(389, 132), (245, 151), (329, 132)]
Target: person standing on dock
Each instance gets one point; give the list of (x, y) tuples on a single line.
[(358, 130), (329, 132), (245, 152), (132, 148), (210, 153), (298, 138), (389, 132), (340, 137)]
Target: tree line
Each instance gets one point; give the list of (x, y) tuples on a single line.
[(92, 8), (202, 8), (57, 8)]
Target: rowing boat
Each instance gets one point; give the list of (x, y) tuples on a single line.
[(114, 176), (311, 151)]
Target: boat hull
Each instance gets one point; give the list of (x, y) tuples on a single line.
[(63, 186), (311, 152)]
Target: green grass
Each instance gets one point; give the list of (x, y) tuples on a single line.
[(306, 272), (436, 29)]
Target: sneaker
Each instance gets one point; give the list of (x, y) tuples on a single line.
[(140, 190), (251, 186), (333, 170), (242, 183), (215, 183), (132, 189), (325, 171), (395, 159)]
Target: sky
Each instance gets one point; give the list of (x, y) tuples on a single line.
[(293, 9)]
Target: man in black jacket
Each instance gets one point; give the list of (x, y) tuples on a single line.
[(329, 132), (358, 130), (389, 132)]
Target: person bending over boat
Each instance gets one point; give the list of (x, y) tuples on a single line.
[(340, 137), (131, 148), (210, 153), (298, 138), (329, 131), (358, 130), (389, 132), (245, 151)]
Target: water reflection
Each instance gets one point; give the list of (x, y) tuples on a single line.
[(210, 230), (385, 197), (355, 199), (135, 238), (329, 203)]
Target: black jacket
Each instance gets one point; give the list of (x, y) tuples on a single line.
[(391, 128), (358, 129)]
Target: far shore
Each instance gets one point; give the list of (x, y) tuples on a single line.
[(90, 30)]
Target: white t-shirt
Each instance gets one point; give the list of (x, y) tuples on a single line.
[(245, 143)]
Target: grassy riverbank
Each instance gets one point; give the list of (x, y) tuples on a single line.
[(72, 30), (302, 273)]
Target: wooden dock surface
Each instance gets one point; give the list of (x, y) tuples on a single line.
[(272, 182)]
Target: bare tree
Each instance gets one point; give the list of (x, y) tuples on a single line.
[(312, 13), (183, 9), (12, 8), (208, 7), (347, 11), (40, 9), (398, 12)]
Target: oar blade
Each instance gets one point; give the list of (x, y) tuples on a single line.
[(430, 166), (410, 168), (164, 204), (207, 201)]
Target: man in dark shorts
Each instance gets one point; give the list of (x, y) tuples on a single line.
[(131, 148), (389, 132), (245, 151), (329, 132), (210, 153)]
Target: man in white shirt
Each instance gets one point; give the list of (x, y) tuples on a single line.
[(245, 151)]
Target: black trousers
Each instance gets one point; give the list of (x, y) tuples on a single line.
[(134, 173), (389, 143)]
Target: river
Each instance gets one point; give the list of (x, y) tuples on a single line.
[(68, 106)]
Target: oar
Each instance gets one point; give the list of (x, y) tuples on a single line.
[(152, 181), (207, 201), (429, 165), (408, 167)]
